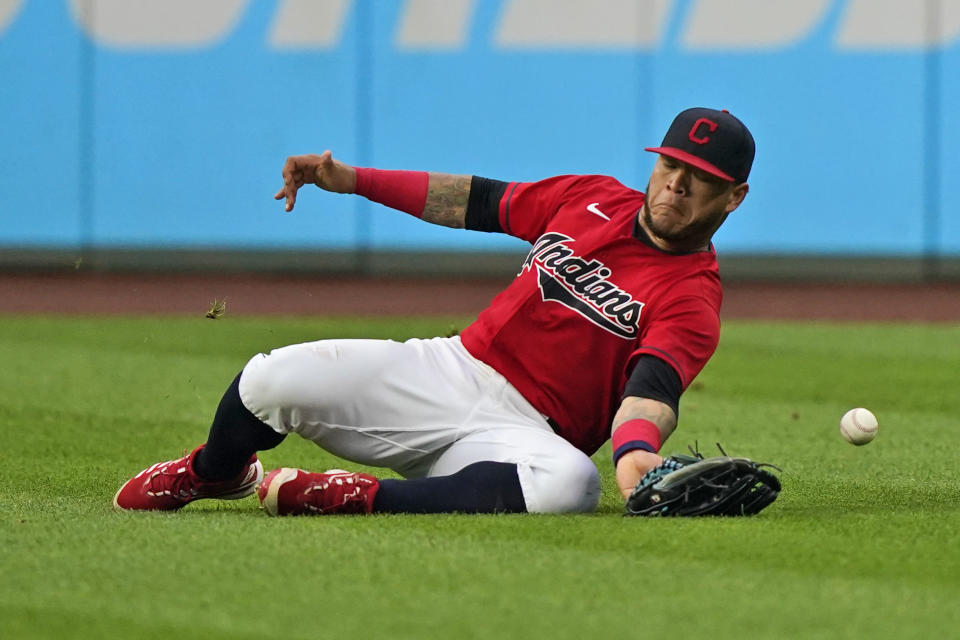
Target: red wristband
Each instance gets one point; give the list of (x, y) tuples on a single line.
[(635, 434), (402, 190)]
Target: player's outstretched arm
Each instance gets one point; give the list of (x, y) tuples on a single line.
[(444, 201), (633, 464)]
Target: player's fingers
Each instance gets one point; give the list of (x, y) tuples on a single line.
[(288, 166), (289, 191), (291, 199), (292, 174)]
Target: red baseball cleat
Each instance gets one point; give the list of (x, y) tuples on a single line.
[(168, 486), (292, 492)]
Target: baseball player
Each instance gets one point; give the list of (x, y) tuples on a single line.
[(613, 313)]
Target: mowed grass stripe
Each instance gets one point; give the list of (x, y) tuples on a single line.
[(861, 543)]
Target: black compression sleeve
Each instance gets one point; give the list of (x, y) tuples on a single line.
[(655, 379), (235, 435), (483, 207)]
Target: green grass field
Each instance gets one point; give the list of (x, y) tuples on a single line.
[(861, 544)]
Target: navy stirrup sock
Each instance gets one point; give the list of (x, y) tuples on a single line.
[(482, 487), (236, 434)]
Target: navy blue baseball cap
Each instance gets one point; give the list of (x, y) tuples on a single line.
[(711, 140)]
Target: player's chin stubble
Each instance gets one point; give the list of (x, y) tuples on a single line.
[(676, 233), (698, 230)]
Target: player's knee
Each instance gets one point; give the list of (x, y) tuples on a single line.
[(569, 484), (256, 380), (269, 387)]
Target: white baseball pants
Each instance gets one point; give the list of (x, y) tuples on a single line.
[(422, 408)]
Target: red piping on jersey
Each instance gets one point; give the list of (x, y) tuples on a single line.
[(666, 356), (506, 209)]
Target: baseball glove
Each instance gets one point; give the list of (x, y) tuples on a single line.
[(696, 486)]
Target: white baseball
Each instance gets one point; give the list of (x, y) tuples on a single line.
[(858, 426)]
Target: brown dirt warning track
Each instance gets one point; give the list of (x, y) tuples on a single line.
[(246, 294)]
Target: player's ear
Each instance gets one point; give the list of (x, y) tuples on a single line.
[(737, 194)]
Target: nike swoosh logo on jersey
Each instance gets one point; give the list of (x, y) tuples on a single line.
[(592, 208)]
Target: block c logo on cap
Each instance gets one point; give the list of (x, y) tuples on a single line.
[(710, 124)]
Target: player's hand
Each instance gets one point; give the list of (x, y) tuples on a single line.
[(321, 170), (632, 466)]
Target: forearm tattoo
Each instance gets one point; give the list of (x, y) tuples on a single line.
[(447, 197), (652, 410)]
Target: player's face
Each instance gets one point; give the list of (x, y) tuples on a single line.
[(685, 205)]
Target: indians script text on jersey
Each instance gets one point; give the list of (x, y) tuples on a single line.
[(589, 298)]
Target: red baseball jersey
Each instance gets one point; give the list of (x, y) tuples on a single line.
[(589, 299)]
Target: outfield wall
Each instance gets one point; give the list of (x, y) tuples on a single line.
[(133, 125)]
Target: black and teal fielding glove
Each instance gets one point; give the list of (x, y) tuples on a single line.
[(697, 486)]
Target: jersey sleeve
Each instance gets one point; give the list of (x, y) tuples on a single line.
[(685, 335), (526, 208)]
